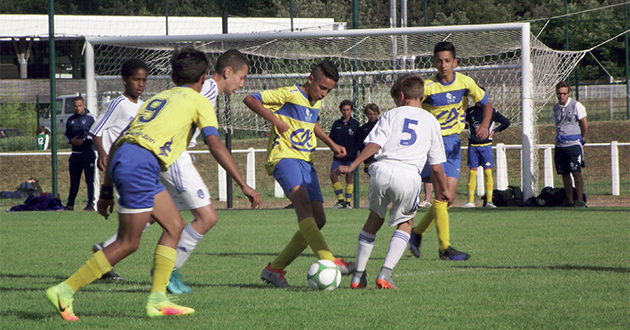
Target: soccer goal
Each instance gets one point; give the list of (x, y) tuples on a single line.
[(518, 72)]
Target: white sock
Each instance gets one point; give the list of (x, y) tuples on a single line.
[(110, 240), (187, 243), (364, 249), (397, 247)]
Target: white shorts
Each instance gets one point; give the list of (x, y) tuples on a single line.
[(185, 185), (398, 183)]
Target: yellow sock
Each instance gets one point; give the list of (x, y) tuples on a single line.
[(442, 225), (91, 271), (472, 183), (425, 223), (349, 191), (315, 239), (487, 176), (290, 252), (338, 190), (163, 263)]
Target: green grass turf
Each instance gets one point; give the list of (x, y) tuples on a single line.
[(530, 269)]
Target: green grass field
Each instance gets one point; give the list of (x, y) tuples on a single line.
[(530, 269)]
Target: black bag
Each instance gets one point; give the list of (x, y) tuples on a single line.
[(555, 196), (512, 196)]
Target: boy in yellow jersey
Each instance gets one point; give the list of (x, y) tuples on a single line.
[(446, 97), (152, 142), (293, 112)]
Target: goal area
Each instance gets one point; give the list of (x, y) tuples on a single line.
[(518, 72)]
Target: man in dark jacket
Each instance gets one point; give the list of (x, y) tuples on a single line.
[(83, 157)]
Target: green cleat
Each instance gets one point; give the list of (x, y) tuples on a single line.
[(60, 296), (160, 305)]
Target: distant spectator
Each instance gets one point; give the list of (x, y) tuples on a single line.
[(571, 127), (344, 132), (42, 138)]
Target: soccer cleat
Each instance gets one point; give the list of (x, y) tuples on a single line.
[(579, 203), (469, 205), (69, 208), (452, 254), (60, 296), (176, 285), (89, 208), (359, 283), (348, 206), (160, 305), (275, 277), (425, 204), (111, 275), (385, 282), (339, 205), (566, 203), (414, 244), (491, 205), (345, 267)]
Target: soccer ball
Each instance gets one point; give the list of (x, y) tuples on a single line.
[(323, 275)]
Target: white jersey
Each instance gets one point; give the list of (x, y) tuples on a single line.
[(113, 121), (409, 135), (210, 91)]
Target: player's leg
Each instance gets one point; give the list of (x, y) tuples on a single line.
[(336, 185), (186, 187), (579, 188), (568, 187), (489, 185), (428, 186), (75, 168), (349, 189), (397, 246), (317, 207), (473, 164), (367, 237), (167, 215), (89, 159)]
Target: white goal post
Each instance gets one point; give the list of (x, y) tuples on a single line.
[(518, 72)]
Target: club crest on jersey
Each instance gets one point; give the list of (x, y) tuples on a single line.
[(450, 98), (309, 115), (200, 194)]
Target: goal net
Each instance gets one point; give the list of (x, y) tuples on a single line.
[(518, 72)]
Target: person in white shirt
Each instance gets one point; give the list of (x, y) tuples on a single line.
[(402, 141), (182, 180)]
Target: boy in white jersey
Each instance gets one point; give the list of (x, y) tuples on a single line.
[(403, 140), (152, 143), (182, 180)]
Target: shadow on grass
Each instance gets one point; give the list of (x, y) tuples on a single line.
[(561, 267), (249, 254)]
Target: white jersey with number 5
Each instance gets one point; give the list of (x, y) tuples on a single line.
[(409, 135)]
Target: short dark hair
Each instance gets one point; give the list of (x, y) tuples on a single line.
[(78, 98), (131, 65), (410, 85), (371, 107), (444, 46), (232, 58), (188, 65), (346, 102), (328, 69), (563, 84)]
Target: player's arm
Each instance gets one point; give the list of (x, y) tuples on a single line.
[(369, 150), (102, 155), (224, 158), (105, 204), (583, 127), (257, 106), (483, 129), (340, 151), (502, 120)]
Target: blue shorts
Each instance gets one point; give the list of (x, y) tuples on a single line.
[(480, 156), (336, 163), (452, 148), (135, 172), (291, 172), (426, 173), (568, 159)]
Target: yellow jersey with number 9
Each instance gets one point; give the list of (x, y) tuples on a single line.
[(448, 101), (292, 106), (165, 123)]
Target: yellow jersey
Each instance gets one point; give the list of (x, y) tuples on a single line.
[(448, 101), (165, 123), (293, 107)]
